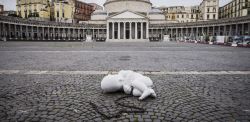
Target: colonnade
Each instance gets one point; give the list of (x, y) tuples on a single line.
[(238, 29), (31, 32), (127, 30)]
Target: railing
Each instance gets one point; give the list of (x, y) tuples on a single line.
[(205, 23), (46, 23)]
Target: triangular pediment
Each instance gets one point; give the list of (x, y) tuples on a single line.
[(128, 15)]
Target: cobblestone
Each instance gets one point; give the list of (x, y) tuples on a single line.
[(178, 98)]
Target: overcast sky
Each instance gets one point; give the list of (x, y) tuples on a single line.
[(11, 4)]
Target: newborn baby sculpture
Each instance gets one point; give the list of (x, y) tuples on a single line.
[(130, 82)]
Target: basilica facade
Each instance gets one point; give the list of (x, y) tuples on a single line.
[(127, 20)]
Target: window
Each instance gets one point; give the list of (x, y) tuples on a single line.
[(208, 10), (214, 16), (57, 14), (182, 16), (208, 16)]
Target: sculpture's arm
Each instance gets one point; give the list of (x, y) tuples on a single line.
[(127, 89)]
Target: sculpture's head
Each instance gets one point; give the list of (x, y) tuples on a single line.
[(111, 83)]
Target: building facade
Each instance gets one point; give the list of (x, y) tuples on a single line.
[(236, 8), (181, 14), (209, 10), (83, 11), (56, 10), (1, 9), (33, 8), (132, 21), (63, 11)]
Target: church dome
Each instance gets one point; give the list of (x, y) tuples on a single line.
[(116, 6)]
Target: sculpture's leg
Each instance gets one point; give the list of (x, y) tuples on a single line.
[(142, 88), (139, 85), (137, 93)]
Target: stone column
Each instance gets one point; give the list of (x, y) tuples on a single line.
[(43, 32), (77, 34), (187, 32), (124, 32), (27, 32), (202, 31), (218, 30), (147, 30), (69, 33), (181, 32), (107, 30), (21, 31), (1, 29), (197, 32), (230, 30), (136, 36), (48, 33), (192, 32), (32, 32), (63, 34), (73, 29), (213, 31), (98, 32), (37, 33), (208, 30), (9, 28), (15, 31), (130, 30), (119, 30), (225, 30), (54, 34), (113, 30), (171, 33), (141, 30), (242, 30), (248, 26), (176, 31), (236, 29)]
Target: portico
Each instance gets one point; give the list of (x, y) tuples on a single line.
[(127, 26)]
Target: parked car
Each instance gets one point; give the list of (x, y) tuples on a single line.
[(237, 41), (246, 42)]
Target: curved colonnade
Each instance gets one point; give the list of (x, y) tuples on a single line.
[(21, 29)]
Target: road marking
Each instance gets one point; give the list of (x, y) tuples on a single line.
[(96, 51), (37, 72), (120, 51)]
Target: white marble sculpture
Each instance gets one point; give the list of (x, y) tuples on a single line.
[(130, 82)]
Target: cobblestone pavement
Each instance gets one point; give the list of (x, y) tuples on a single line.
[(33, 96), (180, 98)]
